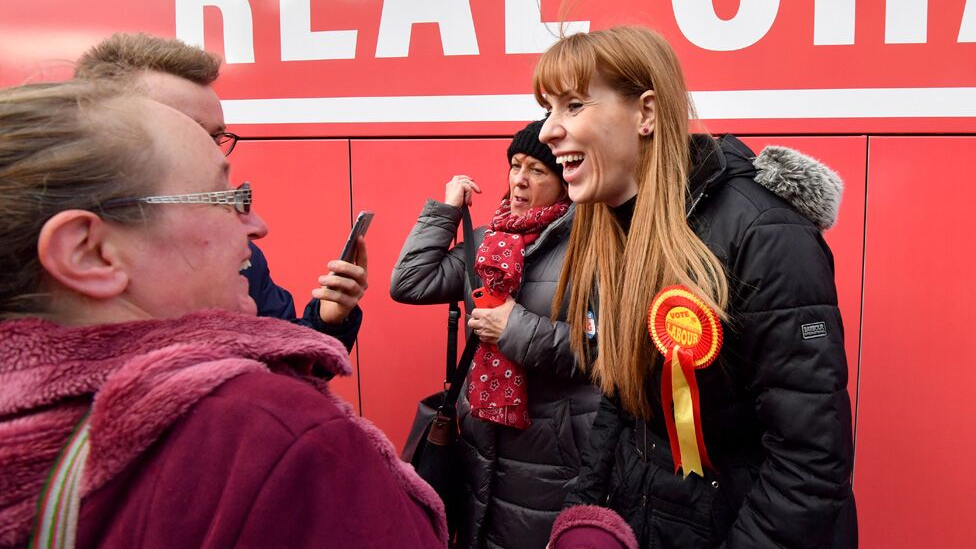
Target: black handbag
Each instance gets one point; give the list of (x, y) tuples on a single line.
[(431, 445)]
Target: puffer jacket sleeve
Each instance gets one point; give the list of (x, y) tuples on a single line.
[(536, 342), (430, 271), (787, 327), (593, 484)]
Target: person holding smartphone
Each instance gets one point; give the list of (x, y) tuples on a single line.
[(525, 407), (180, 76)]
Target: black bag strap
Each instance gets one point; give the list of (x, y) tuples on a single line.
[(454, 311), (450, 399), (453, 314), (473, 279), (457, 369)]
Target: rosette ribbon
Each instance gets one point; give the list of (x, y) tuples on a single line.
[(689, 336)]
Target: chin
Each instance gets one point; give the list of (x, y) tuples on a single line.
[(580, 195), (246, 306)]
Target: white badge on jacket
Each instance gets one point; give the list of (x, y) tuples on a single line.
[(590, 325)]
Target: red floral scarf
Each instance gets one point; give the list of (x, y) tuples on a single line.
[(496, 385)]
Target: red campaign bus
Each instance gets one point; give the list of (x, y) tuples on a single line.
[(372, 104)]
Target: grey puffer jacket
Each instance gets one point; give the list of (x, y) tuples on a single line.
[(517, 480)]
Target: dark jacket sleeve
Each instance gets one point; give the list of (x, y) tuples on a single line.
[(593, 484), (428, 270), (345, 331), (788, 325), (276, 302), (272, 300), (536, 342)]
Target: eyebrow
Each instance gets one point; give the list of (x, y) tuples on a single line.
[(533, 164)]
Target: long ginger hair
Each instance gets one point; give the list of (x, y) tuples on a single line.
[(624, 272)]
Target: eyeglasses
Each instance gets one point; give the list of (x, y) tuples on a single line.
[(226, 141), (240, 198)]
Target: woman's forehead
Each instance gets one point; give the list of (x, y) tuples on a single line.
[(564, 68), (523, 157)]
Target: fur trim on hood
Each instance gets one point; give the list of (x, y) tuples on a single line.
[(808, 185)]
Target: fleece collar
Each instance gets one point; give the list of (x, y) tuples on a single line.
[(42, 363), (137, 378)]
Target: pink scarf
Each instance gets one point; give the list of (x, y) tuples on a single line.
[(496, 385), (139, 378)]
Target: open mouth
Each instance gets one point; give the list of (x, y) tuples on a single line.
[(570, 162), (519, 200), (246, 264)]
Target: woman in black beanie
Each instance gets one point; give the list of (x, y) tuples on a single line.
[(525, 409)]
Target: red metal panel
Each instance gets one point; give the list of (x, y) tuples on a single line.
[(402, 347), (301, 189), (39, 41), (916, 432), (877, 44), (848, 157)]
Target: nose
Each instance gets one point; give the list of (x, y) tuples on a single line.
[(256, 227), (521, 178), (551, 131)]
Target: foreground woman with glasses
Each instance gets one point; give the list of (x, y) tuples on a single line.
[(142, 403)]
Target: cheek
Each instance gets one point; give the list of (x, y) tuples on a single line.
[(204, 246), (553, 192)]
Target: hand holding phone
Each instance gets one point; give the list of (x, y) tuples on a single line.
[(484, 300), (359, 228), (340, 290)]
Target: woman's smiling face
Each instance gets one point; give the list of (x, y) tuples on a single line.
[(596, 137), (189, 256)]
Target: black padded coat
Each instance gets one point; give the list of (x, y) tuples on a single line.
[(516, 480), (775, 410)]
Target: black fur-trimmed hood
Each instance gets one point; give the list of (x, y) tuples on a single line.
[(802, 181)]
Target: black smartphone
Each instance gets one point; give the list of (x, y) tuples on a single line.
[(359, 228)]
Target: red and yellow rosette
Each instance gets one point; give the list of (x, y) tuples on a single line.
[(689, 335)]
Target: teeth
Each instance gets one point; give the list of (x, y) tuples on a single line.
[(562, 159), (245, 264)]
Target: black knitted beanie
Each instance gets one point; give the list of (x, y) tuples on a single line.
[(526, 141)]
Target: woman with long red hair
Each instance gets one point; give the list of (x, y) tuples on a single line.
[(679, 239)]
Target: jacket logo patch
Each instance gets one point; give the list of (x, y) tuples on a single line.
[(815, 330)]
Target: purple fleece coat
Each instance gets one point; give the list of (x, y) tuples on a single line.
[(195, 443)]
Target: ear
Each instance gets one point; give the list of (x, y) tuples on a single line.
[(74, 250), (647, 111)]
